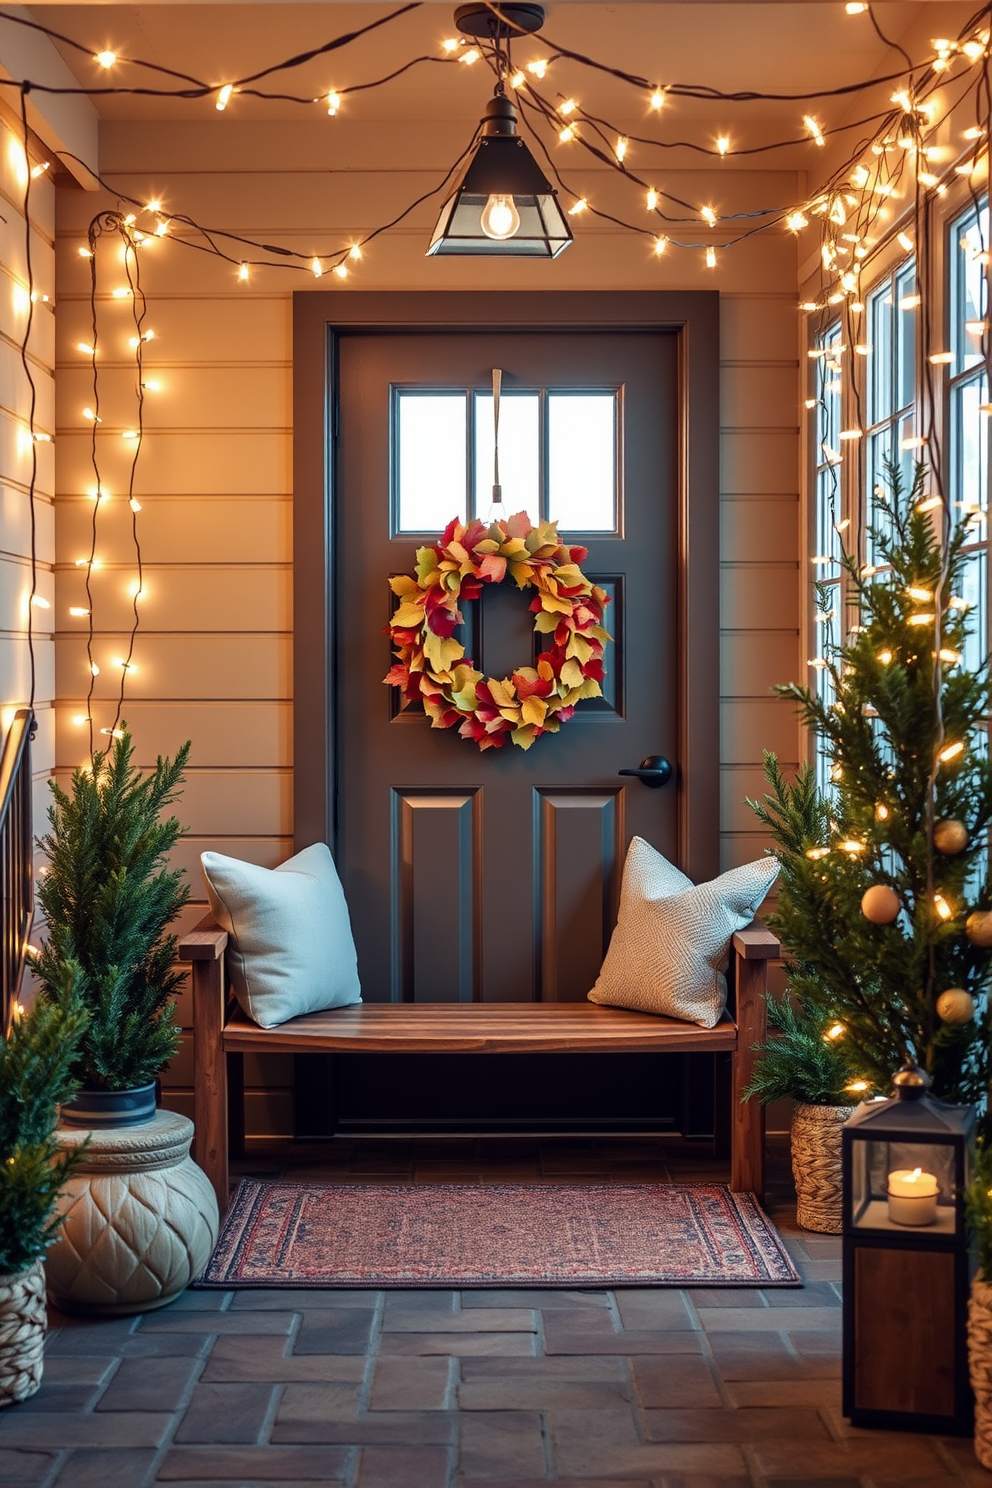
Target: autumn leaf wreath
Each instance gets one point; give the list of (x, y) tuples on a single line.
[(432, 664)]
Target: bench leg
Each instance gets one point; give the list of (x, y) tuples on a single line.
[(210, 1078), (236, 1104), (747, 1164)]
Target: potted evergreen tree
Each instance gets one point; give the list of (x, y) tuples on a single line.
[(36, 1059), (108, 897), (140, 1217), (805, 1060), (885, 900)]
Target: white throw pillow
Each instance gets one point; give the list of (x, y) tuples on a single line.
[(667, 953), (291, 949)]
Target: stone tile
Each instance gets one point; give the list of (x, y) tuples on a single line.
[(108, 1468), (817, 1393), (82, 1337), (772, 1319), (817, 1483), (608, 1369), (816, 1343), (459, 1345), (76, 1369), (216, 1322), (658, 1307), (17, 1468), (307, 1413), (166, 1345), (680, 1382), (560, 1337), (543, 1298), (403, 1467), (479, 1320), (822, 1247), (747, 1425), (494, 1444), (726, 1297), (428, 1300), (222, 1414), (888, 1453), (303, 1299), (333, 1331), (58, 1398), (265, 1359), (412, 1384), (542, 1394), (209, 1299), (149, 1384), (572, 1482), (752, 1356), (605, 1442), (812, 1294), (820, 1270), (117, 1428), (243, 1465)]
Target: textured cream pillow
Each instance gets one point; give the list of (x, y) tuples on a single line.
[(671, 939), (291, 949)]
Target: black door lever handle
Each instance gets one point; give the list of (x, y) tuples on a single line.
[(654, 771)]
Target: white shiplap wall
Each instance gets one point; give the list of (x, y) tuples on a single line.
[(215, 483)]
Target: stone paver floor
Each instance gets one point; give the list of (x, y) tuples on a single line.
[(713, 1388)]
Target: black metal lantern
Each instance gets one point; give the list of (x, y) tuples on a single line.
[(501, 204), (906, 1268)]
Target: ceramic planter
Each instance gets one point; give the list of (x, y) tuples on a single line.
[(23, 1317), (94, 1108), (140, 1218), (816, 1165)]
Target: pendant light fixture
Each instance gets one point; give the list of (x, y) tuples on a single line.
[(501, 204)]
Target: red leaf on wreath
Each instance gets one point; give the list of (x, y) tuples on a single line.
[(519, 525), (594, 669), (470, 589), (492, 568), (447, 535), (564, 714), (474, 533), (398, 675), (402, 636), (532, 687), (578, 555)]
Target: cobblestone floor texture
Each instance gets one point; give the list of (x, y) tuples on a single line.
[(645, 1388)]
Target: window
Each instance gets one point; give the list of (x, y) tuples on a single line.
[(968, 428), (890, 388), (829, 523), (559, 456)]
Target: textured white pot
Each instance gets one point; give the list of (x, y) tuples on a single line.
[(140, 1219), (23, 1319), (980, 1365), (816, 1165)]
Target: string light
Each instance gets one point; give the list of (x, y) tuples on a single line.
[(224, 97), (942, 907), (708, 215), (333, 104), (78, 612), (711, 258), (106, 59), (578, 207), (814, 129), (660, 244), (857, 1087), (834, 1032), (621, 148), (950, 752), (722, 144), (815, 853), (243, 273), (317, 267)]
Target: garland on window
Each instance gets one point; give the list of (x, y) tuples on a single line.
[(568, 609)]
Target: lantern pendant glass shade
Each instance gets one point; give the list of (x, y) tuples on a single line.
[(502, 182)]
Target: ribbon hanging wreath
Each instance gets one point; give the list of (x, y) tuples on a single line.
[(432, 664)]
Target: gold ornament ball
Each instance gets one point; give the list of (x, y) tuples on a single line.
[(978, 928), (880, 904), (950, 837), (955, 1006)]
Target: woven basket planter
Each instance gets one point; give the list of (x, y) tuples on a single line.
[(980, 1365), (816, 1165), (23, 1319)]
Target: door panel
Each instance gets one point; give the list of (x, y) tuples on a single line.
[(495, 876)]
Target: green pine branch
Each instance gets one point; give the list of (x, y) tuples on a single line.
[(801, 1059), (108, 897)]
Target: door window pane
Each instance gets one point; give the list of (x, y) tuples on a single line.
[(430, 460), (519, 452), (582, 461)]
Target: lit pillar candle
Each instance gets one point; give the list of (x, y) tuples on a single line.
[(912, 1197)]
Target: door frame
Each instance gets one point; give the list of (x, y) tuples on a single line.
[(320, 318)]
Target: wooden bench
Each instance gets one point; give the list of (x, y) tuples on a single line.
[(221, 1032)]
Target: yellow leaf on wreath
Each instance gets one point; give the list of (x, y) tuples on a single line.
[(514, 547), (556, 605), (442, 653), (590, 688), (464, 676), (545, 622), (579, 647), (522, 573), (404, 584), (570, 574), (533, 710), (512, 715), (503, 693), (599, 633), (409, 616), (487, 545), (427, 561), (571, 673), (525, 736)]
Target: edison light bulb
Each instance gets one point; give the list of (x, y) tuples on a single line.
[(500, 218)]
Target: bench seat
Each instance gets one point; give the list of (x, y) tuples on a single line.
[(221, 1031)]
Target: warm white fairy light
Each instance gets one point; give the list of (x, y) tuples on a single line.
[(355, 251), (931, 503), (711, 258), (949, 655), (517, 80), (620, 149), (924, 596), (852, 846), (885, 657), (472, 55), (942, 907), (941, 358), (722, 144), (566, 134), (451, 43), (708, 215), (578, 207), (796, 221), (243, 273), (134, 504), (538, 69), (568, 107), (810, 124), (224, 97), (925, 618), (950, 752), (658, 98), (817, 852), (333, 103), (660, 244), (106, 58), (78, 612), (341, 270), (317, 267)]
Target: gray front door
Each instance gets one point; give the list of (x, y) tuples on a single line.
[(495, 876)]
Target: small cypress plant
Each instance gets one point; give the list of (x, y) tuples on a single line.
[(805, 1057), (36, 1060), (108, 897)]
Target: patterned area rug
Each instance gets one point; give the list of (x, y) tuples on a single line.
[(495, 1235)]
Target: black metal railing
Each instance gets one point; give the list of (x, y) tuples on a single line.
[(16, 856)]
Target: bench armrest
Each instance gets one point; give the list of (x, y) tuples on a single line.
[(757, 943), (753, 948), (205, 942)]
